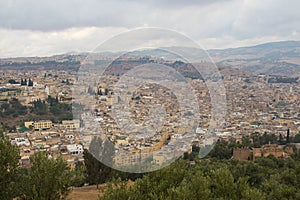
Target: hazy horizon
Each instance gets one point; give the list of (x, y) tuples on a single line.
[(87, 52)]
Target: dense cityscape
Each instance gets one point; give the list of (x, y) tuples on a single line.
[(154, 100), (38, 113)]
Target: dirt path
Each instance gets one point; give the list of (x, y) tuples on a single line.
[(89, 192), (84, 193)]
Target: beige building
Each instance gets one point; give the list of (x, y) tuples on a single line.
[(268, 149), (128, 159), (70, 124), (242, 153), (28, 124), (264, 151), (43, 124)]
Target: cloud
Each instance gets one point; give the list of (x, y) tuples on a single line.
[(37, 43), (33, 27), (269, 17), (52, 15)]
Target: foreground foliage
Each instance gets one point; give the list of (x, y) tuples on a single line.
[(9, 171), (267, 178), (210, 178), (47, 179)]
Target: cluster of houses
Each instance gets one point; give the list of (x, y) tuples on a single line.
[(278, 151), (55, 139)]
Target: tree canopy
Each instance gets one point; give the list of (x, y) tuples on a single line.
[(9, 171)]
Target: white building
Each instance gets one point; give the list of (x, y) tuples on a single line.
[(75, 149)]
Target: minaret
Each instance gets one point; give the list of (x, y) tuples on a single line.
[(47, 90)]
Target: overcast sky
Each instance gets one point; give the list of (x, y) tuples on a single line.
[(39, 28)]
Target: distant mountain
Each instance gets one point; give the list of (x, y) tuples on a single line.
[(58, 62), (276, 58)]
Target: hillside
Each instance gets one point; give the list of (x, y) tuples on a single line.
[(276, 58)]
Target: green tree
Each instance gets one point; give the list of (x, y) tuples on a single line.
[(106, 91), (275, 189), (12, 81), (246, 141), (40, 107), (179, 181), (288, 136), (78, 175), (222, 183), (30, 82), (268, 138), (9, 171), (256, 139), (281, 141), (23, 82), (92, 168), (99, 151), (47, 179), (221, 151), (198, 186), (297, 138)]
